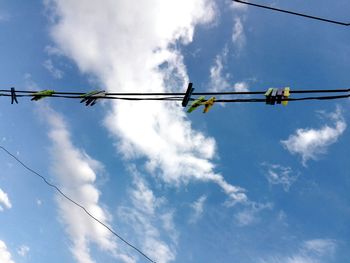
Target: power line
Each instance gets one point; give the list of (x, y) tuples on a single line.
[(294, 13), (173, 96), (78, 95), (77, 204)]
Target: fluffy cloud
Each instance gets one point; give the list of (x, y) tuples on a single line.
[(76, 173), (198, 208), (311, 251), (277, 174), (5, 255), (310, 143), (4, 201), (131, 47)]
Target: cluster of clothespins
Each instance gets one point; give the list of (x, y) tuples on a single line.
[(197, 102), (89, 98), (272, 96)]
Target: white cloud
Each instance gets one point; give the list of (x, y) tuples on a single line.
[(76, 174), (277, 174), (238, 36), (4, 200), (145, 216), (124, 46), (249, 215), (55, 72), (238, 6), (198, 208), (5, 255), (241, 87), (23, 250), (311, 251), (320, 246), (220, 81), (311, 143)]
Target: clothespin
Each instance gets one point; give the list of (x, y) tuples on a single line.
[(286, 94), (271, 95), (208, 104), (42, 94), (195, 104), (13, 96), (279, 96), (91, 97), (188, 94)]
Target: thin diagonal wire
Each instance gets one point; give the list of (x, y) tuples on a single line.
[(76, 203), (294, 13)]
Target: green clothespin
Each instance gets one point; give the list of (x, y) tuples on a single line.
[(90, 97), (195, 104), (42, 94)]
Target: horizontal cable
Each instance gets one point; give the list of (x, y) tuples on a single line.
[(80, 94)]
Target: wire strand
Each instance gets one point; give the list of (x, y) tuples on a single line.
[(77, 204), (294, 13)]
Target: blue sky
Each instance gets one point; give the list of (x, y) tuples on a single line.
[(243, 183)]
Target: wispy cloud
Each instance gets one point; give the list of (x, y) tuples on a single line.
[(23, 250), (280, 175), (198, 208), (131, 48), (55, 72), (311, 251), (4, 17), (76, 174), (311, 143), (5, 255), (219, 80), (238, 6), (145, 215), (4, 201), (250, 214), (238, 35)]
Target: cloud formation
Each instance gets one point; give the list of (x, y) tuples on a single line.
[(220, 81), (4, 201), (311, 143), (198, 208), (133, 48), (311, 251), (238, 36), (146, 217), (5, 255), (280, 175), (55, 72), (23, 250), (75, 172), (250, 214)]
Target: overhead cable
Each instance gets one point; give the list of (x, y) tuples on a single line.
[(58, 190), (293, 13)]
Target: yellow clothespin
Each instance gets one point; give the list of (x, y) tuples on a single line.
[(286, 94), (208, 104)]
